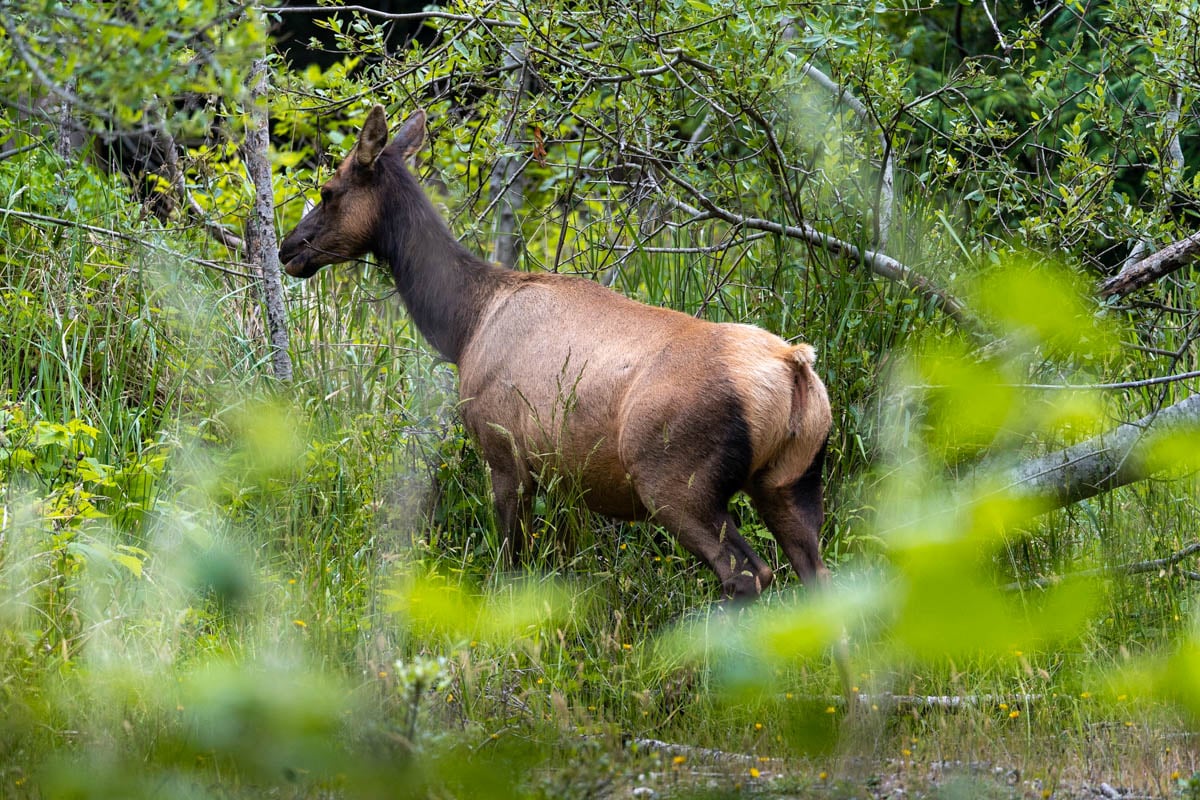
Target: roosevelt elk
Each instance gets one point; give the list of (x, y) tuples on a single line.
[(657, 415)]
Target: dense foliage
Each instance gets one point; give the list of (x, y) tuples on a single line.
[(213, 584)]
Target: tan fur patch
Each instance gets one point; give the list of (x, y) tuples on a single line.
[(785, 403)]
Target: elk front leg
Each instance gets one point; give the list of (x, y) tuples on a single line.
[(514, 501), (512, 484), (715, 539)]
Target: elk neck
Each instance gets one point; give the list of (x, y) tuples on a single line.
[(444, 286)]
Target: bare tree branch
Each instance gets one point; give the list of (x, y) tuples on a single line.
[(880, 263), (508, 178), (1175, 162), (995, 28), (887, 179), (411, 17), (16, 151)]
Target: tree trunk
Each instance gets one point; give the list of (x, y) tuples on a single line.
[(508, 180), (261, 244), (1115, 458)]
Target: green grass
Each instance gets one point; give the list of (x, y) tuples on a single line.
[(215, 586)]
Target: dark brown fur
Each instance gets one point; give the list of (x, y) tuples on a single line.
[(656, 414)]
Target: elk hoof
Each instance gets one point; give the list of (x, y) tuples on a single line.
[(746, 586)]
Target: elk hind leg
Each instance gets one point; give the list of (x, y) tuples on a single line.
[(794, 513)]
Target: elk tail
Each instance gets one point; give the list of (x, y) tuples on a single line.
[(810, 416), (804, 354)]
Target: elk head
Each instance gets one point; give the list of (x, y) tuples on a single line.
[(345, 224)]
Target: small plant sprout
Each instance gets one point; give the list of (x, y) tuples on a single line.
[(413, 679)]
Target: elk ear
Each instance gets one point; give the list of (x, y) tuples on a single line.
[(411, 136), (373, 137)]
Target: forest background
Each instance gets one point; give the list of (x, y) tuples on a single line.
[(246, 549)]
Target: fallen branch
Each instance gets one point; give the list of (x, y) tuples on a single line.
[(886, 701), (1171, 258), (708, 755), (1115, 458), (1153, 565)]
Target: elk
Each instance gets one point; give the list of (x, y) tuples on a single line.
[(656, 414)]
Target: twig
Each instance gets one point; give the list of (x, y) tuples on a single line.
[(411, 17), (712, 248), (995, 28), (218, 232), (880, 263), (16, 151), (29, 216), (1153, 565), (1078, 387), (227, 238)]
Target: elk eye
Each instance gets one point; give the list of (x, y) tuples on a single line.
[(325, 195)]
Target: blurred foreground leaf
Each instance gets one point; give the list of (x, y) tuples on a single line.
[(431, 606), (1048, 306), (1174, 677), (950, 607)]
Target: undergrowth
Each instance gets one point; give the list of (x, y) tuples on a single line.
[(212, 585)]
